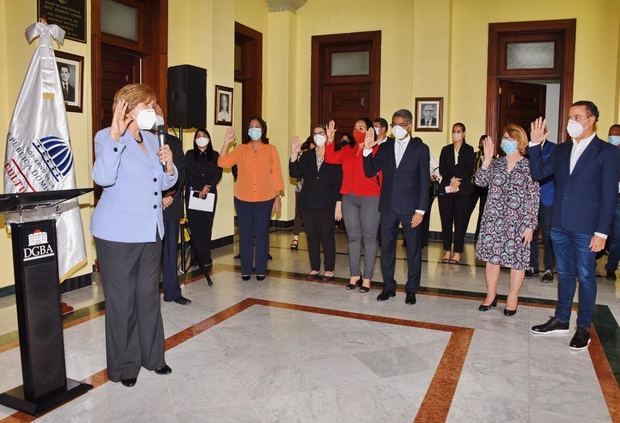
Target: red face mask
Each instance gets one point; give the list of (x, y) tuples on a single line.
[(359, 136)]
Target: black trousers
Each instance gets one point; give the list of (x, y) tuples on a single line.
[(480, 193), (425, 225), (201, 229), (453, 210), (298, 222), (319, 224), (544, 229), (389, 233), (170, 282)]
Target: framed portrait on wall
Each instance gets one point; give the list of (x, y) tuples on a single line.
[(71, 72), (429, 114), (223, 105)]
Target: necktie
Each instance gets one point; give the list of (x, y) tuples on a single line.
[(65, 90)]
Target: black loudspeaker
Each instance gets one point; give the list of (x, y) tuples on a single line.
[(187, 96)]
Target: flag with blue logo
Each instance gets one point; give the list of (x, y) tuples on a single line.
[(38, 152)]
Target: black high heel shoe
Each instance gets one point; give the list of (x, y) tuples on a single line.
[(351, 286), (484, 307), (364, 289), (509, 313)]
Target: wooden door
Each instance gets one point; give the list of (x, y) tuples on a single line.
[(119, 67), (340, 92), (520, 103)]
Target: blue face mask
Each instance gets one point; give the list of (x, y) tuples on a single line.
[(614, 139), (255, 133), (509, 146)]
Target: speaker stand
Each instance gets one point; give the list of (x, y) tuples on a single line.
[(16, 399)]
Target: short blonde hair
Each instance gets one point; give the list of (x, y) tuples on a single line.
[(518, 134), (135, 94)]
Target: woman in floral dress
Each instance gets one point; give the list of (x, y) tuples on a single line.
[(510, 215)]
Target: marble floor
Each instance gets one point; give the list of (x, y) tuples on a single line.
[(289, 350)]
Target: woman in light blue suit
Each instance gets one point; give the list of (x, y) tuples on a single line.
[(127, 225)]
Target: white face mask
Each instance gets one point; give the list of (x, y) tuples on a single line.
[(202, 142), (159, 120), (399, 132), (457, 136), (319, 140), (574, 128), (146, 119), (377, 130)]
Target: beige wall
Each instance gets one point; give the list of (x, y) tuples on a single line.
[(429, 48), (15, 17)]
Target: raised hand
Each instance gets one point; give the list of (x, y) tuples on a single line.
[(295, 147), (369, 140), (331, 131), (230, 136), (489, 150), (120, 120), (538, 131)]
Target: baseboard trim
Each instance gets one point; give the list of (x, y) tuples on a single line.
[(70, 284)]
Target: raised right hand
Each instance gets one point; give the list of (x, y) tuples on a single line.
[(538, 131), (120, 120), (489, 150), (369, 139), (331, 131), (295, 147), (230, 136)]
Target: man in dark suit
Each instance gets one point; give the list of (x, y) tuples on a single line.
[(68, 91), (172, 205), (585, 174), (405, 163)]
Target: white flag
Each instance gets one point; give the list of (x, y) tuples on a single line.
[(38, 151)]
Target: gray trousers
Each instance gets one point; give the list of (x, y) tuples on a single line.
[(361, 219), (133, 326)]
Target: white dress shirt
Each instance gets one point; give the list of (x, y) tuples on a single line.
[(578, 149), (399, 149)]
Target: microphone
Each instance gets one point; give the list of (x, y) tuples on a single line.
[(161, 134)]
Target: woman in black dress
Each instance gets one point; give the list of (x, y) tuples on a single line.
[(202, 177)]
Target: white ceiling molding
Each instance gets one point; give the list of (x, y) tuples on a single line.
[(285, 5)]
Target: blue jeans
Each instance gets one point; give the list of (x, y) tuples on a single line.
[(614, 245), (574, 260)]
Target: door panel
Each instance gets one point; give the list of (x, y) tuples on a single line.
[(520, 103), (119, 67), (346, 103), (341, 97)]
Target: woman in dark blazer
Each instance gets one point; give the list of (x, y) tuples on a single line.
[(456, 165), (203, 175), (319, 201)]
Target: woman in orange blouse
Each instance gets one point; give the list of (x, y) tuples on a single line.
[(257, 193)]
